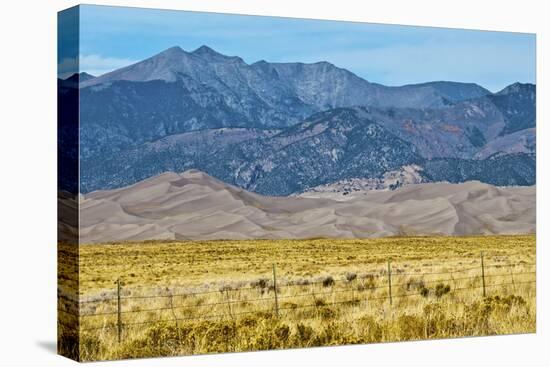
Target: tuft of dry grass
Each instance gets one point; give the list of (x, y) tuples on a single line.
[(195, 297)]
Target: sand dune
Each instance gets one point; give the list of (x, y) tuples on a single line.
[(193, 205)]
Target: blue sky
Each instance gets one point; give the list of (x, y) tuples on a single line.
[(113, 37)]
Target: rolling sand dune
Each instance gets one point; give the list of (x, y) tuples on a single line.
[(193, 205)]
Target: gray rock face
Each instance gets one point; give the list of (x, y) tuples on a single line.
[(523, 141), (517, 104), (320, 85), (322, 149), (178, 91), (453, 91), (281, 128), (328, 147)]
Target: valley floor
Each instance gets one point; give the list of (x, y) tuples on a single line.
[(193, 297)]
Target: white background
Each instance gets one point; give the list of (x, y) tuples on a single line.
[(28, 182)]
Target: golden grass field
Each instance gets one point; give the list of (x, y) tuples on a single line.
[(194, 297)]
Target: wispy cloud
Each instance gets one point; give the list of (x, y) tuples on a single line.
[(92, 64), (67, 67), (97, 65)]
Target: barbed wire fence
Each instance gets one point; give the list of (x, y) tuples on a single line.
[(273, 295)]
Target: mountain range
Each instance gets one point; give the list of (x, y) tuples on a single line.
[(284, 128)]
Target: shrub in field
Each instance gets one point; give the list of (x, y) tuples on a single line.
[(334, 333), (508, 302), (289, 305), (328, 281), (214, 336), (303, 335), (320, 303), (478, 314), (439, 290), (271, 288), (160, 339), (442, 289), (350, 276), (372, 331), (327, 313), (302, 281), (272, 335), (415, 284), (370, 282), (282, 332), (248, 321), (424, 292), (261, 283), (437, 323), (410, 327), (226, 287), (90, 346)]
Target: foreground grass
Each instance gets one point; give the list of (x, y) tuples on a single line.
[(218, 296)]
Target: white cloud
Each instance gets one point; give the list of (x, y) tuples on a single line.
[(96, 64), (67, 67), (92, 64)]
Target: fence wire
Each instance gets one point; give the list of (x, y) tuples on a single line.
[(352, 286)]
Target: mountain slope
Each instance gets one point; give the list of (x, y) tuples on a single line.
[(453, 91), (517, 104), (523, 141), (501, 170), (282, 128), (328, 147), (331, 145), (178, 91), (320, 85)]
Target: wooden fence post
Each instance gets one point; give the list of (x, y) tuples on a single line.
[(483, 275), (172, 308), (275, 290), (512, 276), (229, 303), (119, 318), (389, 281)]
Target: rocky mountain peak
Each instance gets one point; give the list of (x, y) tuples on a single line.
[(205, 50), (516, 88)]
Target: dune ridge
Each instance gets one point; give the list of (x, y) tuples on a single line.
[(195, 206)]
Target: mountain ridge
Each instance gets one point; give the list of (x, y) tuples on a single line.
[(170, 63), (176, 96), (328, 147), (205, 50)]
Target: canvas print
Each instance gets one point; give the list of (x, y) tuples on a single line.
[(233, 183)]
